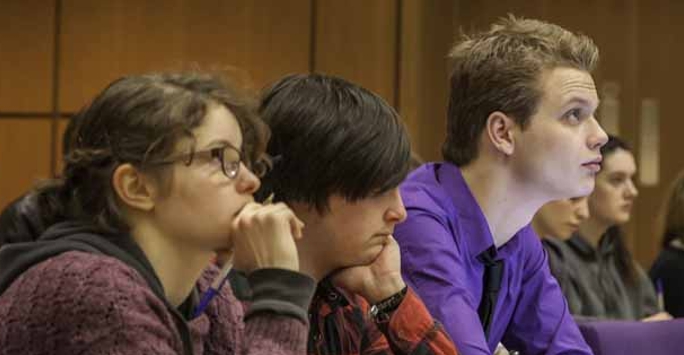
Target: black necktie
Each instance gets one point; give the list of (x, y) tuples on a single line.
[(491, 284)]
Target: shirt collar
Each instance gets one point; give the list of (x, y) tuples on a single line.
[(333, 296), (474, 225)]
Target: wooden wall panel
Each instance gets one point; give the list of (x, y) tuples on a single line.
[(396, 48), (660, 72), (612, 24), (475, 15), (24, 156), (57, 149), (102, 40), (426, 36), (357, 40), (26, 44)]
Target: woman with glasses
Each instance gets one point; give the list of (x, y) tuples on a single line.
[(158, 178)]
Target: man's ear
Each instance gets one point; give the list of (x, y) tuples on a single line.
[(133, 188), (500, 131)]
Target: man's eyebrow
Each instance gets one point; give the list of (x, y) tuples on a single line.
[(580, 100)]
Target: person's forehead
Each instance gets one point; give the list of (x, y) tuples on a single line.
[(219, 124), (563, 85), (619, 161), (578, 201)]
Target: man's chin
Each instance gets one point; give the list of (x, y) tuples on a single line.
[(581, 191)]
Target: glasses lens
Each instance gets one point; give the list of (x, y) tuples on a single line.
[(231, 161), (260, 168)]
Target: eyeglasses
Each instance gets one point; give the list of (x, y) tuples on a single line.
[(229, 157)]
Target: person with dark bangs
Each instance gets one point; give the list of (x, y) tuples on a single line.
[(339, 153)]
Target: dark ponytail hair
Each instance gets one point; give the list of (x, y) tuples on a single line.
[(137, 120), (614, 235), (672, 219)]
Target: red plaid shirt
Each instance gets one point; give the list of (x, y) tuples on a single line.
[(340, 325)]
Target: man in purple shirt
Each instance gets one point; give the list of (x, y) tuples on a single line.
[(521, 132)]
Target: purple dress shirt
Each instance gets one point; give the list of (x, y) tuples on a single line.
[(444, 233)]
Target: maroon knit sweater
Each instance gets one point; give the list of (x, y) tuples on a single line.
[(86, 303)]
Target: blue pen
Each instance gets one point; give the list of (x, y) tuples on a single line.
[(215, 288)]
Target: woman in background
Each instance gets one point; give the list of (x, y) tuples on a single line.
[(667, 271), (558, 220), (555, 223), (599, 278)]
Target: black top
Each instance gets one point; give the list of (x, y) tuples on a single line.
[(669, 269)]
